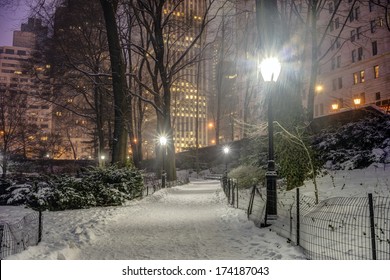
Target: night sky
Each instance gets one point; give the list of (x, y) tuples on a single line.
[(10, 20)]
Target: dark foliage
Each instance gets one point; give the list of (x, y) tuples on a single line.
[(97, 187)]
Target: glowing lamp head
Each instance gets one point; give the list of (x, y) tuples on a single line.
[(270, 69), (226, 150), (357, 101), (319, 88), (163, 140)]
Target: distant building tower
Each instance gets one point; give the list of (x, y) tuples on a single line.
[(189, 110), (21, 95), (31, 33)]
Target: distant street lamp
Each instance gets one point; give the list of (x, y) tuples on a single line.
[(103, 157), (335, 106), (270, 70), (357, 101), (319, 88), (163, 143), (226, 151)]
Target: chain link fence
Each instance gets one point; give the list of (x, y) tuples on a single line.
[(16, 237), (339, 228)]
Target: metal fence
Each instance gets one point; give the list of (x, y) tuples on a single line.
[(152, 184), (339, 228), (16, 237)]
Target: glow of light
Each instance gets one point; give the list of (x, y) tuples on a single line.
[(319, 88), (226, 150), (163, 140), (357, 101), (335, 106), (270, 69)]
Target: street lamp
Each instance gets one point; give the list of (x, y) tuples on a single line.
[(335, 106), (357, 101), (103, 157), (226, 151), (163, 143), (270, 70)]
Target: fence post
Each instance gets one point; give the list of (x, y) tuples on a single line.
[(40, 226), (298, 221), (250, 206), (233, 186), (1, 240), (228, 189), (372, 225), (237, 192)]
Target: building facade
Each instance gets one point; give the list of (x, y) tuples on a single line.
[(30, 124), (189, 100), (355, 66)]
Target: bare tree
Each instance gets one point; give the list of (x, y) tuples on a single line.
[(163, 29), (316, 37), (13, 107), (122, 104)]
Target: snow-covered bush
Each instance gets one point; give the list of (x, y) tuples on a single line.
[(98, 187), (247, 175), (354, 145)]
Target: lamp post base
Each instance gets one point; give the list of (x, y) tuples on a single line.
[(271, 208), (163, 179)]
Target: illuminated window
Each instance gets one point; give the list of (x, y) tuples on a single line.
[(355, 78), (376, 71)]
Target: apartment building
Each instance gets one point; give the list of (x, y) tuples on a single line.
[(353, 54), (21, 98), (355, 67)]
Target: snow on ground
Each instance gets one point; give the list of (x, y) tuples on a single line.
[(192, 221), (10, 214), (351, 183)]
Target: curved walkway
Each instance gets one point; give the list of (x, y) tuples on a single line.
[(186, 222)]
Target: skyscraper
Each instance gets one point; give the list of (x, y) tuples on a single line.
[(26, 116)]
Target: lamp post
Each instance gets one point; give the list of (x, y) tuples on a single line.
[(163, 142), (226, 151), (270, 69)]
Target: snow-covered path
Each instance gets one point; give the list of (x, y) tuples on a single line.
[(186, 222)]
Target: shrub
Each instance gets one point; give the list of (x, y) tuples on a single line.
[(247, 175), (98, 187)]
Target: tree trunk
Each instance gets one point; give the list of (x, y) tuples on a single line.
[(119, 145), (314, 60)]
